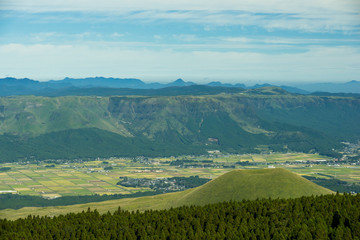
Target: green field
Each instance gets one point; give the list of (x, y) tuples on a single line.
[(258, 121), (86, 178), (235, 185)]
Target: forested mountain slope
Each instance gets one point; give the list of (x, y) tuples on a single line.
[(93, 126)]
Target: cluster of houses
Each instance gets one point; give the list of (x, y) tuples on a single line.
[(158, 184)]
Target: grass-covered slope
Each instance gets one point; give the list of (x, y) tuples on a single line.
[(33, 116), (252, 184), (267, 118), (236, 185), (83, 143)]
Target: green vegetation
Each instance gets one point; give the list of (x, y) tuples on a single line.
[(334, 184), (168, 91), (164, 184), (233, 186), (59, 178), (83, 143), (15, 201), (252, 184), (261, 120), (322, 217), (63, 155), (89, 177)]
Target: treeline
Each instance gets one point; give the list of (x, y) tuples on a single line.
[(164, 184), (5, 169), (335, 184), (15, 201), (90, 143), (322, 217), (85, 143), (180, 162)]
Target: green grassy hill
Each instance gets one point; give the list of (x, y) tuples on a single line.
[(235, 185), (252, 184)]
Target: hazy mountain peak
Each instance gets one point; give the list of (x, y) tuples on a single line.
[(179, 80), (180, 83), (25, 86)]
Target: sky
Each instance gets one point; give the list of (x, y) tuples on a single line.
[(232, 41)]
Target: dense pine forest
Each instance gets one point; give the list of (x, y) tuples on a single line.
[(323, 217)]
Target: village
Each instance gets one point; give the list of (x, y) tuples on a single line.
[(164, 184)]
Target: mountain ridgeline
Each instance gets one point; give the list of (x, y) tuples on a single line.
[(121, 86), (249, 121)]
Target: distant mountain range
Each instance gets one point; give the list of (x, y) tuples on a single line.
[(70, 86)]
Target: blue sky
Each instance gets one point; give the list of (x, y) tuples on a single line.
[(248, 41)]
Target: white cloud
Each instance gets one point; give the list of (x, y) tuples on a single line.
[(186, 37), (56, 62), (80, 53), (117, 35), (306, 15), (44, 36), (288, 41), (157, 37), (269, 6), (317, 22)]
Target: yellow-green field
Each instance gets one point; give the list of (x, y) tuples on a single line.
[(235, 185), (90, 177)]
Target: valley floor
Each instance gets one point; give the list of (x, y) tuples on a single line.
[(63, 178)]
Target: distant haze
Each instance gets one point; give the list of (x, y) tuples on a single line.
[(133, 86), (248, 41)]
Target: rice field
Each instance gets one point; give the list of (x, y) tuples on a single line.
[(86, 178)]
